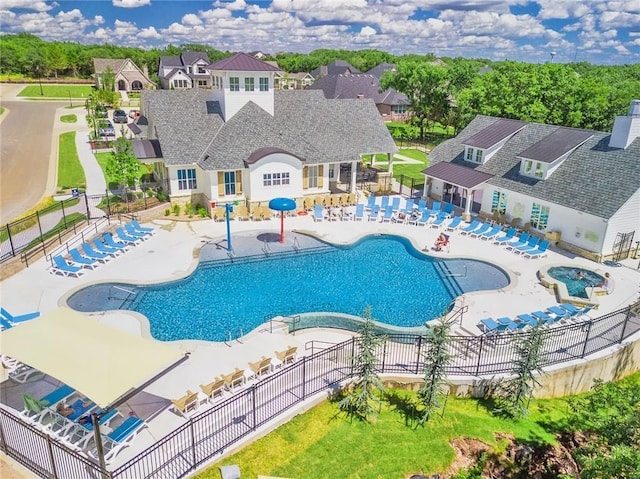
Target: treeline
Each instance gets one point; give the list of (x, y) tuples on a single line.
[(449, 91)]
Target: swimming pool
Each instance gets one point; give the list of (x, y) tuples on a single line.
[(226, 299), (576, 279)]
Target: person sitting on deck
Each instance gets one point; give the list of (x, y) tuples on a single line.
[(441, 243)]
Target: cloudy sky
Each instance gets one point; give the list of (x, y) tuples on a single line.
[(597, 31)]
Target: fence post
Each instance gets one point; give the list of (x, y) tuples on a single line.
[(304, 377), (13, 250), (108, 203), (64, 217), (384, 354), (418, 353), (586, 340), (193, 443), (626, 321), (253, 409), (41, 236), (86, 205), (51, 459), (353, 354), (479, 356)]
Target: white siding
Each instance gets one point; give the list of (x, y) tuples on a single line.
[(625, 220), (232, 101), (276, 163)]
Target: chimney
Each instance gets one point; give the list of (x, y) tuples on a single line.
[(626, 128)]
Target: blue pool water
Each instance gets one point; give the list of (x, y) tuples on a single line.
[(223, 299), (576, 284)]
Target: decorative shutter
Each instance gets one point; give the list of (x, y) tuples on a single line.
[(238, 182), (220, 183), (320, 175), (305, 177)]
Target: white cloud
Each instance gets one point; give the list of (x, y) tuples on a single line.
[(130, 3), (150, 33), (564, 8), (38, 6), (367, 31), (231, 6), (191, 19)]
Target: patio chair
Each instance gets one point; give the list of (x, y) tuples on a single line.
[(34, 407), (388, 213), (78, 435), (351, 200), (493, 232), (234, 380), (24, 373), (529, 245), (517, 241), (88, 251), (61, 267), (384, 202), (242, 213), (422, 205), (435, 207), (423, 220), (508, 236), (439, 220), (262, 367), (214, 390), (453, 225), (371, 202), (539, 251), (448, 209), (143, 229), (121, 437), (186, 404), (480, 230), (131, 230), (472, 226), (395, 203), (318, 213), (359, 215), (112, 243), (114, 251), (488, 325), (77, 258), (543, 318), (129, 238), (409, 206), (528, 319), (219, 213), (373, 214), (287, 356)]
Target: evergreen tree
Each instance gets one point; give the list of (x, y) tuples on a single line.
[(363, 398)]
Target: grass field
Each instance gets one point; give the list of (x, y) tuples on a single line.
[(321, 444), (57, 91), (70, 171)]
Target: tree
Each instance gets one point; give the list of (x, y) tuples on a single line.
[(362, 401), (122, 165), (516, 392), (426, 87), (436, 358)]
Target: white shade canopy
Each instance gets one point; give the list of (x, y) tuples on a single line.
[(100, 362)]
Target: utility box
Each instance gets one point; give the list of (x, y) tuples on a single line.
[(553, 237)]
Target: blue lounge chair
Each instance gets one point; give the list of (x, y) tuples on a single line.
[(422, 205), (81, 260), (505, 238), (408, 207), (61, 267), (424, 219), (475, 224), (33, 407), (359, 214), (519, 241), (493, 232), (480, 230), (386, 217), (529, 245), (539, 252), (128, 238), (453, 225), (384, 202), (318, 213), (370, 203), (506, 324), (543, 317), (395, 204), (528, 319), (111, 242), (439, 220), (435, 207), (448, 209), (130, 229), (79, 434), (143, 229), (59, 424), (488, 325), (102, 247), (97, 255), (19, 318), (120, 437), (373, 214)]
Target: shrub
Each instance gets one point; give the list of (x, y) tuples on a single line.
[(167, 212), (176, 209), (202, 211), (188, 209)]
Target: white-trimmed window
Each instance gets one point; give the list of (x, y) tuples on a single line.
[(398, 109), (313, 176), (539, 170), (234, 83), (276, 179), (469, 154), (479, 154), (229, 182), (264, 84), (266, 179), (201, 70), (539, 216), (187, 179), (249, 84), (499, 202), (535, 169)]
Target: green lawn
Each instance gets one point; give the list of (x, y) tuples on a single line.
[(103, 159), (321, 444), (57, 91), (69, 118), (70, 171)]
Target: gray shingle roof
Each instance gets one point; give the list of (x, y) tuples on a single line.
[(594, 178), (380, 69), (307, 125), (189, 58), (336, 67), (242, 62), (552, 147), (495, 133), (352, 86)]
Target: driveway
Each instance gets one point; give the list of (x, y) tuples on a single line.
[(28, 152)]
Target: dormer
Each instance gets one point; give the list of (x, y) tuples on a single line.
[(239, 79), (480, 147), (626, 128), (542, 158)]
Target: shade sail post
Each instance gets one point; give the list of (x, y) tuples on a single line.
[(282, 227), (228, 209), (99, 448)]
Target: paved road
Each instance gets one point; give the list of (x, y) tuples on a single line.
[(27, 152)]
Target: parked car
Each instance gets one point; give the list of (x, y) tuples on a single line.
[(120, 116), (105, 128)]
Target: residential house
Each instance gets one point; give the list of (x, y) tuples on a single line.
[(128, 76), (184, 71), (392, 105), (291, 81), (245, 141), (258, 54), (336, 67), (579, 187), (381, 69)]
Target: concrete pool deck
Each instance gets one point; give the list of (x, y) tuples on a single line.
[(172, 254)]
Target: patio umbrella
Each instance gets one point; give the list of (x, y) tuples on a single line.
[(282, 205)]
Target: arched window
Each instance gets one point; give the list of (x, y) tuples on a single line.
[(136, 85), (122, 85)]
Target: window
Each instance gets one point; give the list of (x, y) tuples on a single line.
[(539, 216), (264, 84), (479, 156), (499, 203), (229, 182), (275, 179), (313, 177), (187, 179), (266, 179), (528, 167), (180, 84), (469, 154), (398, 109), (285, 178), (201, 70), (234, 84), (539, 170), (249, 84), (202, 83)]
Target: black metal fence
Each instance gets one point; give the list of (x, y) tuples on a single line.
[(48, 226), (210, 432)]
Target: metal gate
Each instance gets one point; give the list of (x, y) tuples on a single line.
[(622, 246)]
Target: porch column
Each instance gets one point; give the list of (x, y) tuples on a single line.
[(354, 175), (466, 216), (390, 162)]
